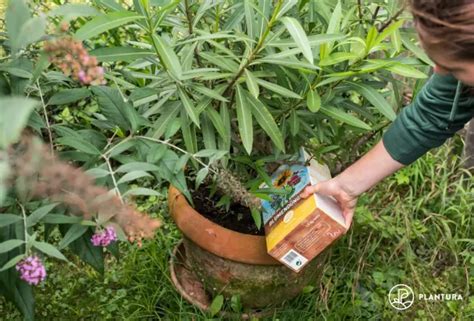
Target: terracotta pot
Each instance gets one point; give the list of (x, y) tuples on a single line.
[(233, 263)]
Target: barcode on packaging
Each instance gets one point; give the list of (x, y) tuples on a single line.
[(294, 260)]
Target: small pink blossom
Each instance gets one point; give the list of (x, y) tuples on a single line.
[(31, 270), (105, 237)]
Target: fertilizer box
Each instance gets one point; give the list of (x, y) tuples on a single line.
[(297, 229)]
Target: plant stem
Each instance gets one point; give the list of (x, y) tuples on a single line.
[(48, 127), (188, 16), (165, 142), (257, 48), (25, 230), (389, 21), (114, 181)]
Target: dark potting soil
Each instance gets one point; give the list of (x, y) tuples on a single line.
[(238, 218)]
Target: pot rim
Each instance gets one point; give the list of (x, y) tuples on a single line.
[(223, 242)]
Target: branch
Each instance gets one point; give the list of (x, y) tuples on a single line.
[(389, 21)]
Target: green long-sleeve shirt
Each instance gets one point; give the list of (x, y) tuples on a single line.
[(441, 108)]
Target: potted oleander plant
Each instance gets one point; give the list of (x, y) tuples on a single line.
[(211, 96)]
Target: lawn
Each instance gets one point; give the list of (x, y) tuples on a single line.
[(419, 234)]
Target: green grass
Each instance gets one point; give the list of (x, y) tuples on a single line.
[(414, 228)]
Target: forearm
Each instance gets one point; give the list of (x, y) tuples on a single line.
[(368, 171)]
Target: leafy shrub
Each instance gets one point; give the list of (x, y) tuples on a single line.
[(225, 89)]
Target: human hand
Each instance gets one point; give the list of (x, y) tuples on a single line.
[(333, 187)]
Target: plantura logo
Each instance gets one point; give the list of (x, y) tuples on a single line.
[(401, 297)]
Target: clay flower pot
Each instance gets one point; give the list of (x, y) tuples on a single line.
[(232, 263)]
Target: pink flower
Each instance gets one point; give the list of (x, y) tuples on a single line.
[(31, 270), (105, 237)]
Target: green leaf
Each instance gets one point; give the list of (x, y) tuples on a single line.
[(10, 245), (115, 109), (344, 117), (38, 214), (286, 6), (313, 40), (74, 10), (387, 32), (32, 31), (209, 92), (97, 172), (296, 64), (12, 262), (216, 305), (217, 122), (170, 111), (278, 89), (168, 57), (188, 106), (266, 121), (244, 119), (257, 217), (337, 57), (106, 22), (141, 191), (137, 166), (92, 255), (375, 98), (112, 54), (419, 53), (49, 249), (406, 70), (15, 113), (7, 219), (252, 85), (296, 31), (61, 219), (79, 144), (74, 232), (17, 14), (133, 176), (250, 22), (313, 101), (68, 96), (201, 175)]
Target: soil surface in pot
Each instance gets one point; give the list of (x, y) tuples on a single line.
[(238, 218)]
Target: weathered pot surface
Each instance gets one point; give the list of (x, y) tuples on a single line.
[(233, 263)]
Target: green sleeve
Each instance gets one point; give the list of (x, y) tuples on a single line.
[(425, 123)]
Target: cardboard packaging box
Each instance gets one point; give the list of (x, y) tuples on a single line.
[(297, 229)]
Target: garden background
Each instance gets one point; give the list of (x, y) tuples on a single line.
[(416, 227)]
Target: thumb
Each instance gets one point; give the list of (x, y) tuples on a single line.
[(309, 190)]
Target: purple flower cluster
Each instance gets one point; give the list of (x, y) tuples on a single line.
[(105, 237), (31, 270)]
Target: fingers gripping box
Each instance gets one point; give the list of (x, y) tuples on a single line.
[(297, 229)]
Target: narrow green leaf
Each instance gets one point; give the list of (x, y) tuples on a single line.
[(74, 10), (10, 245), (375, 98), (278, 89), (106, 22), (266, 121), (137, 166), (7, 219), (168, 57), (296, 31), (12, 262), (68, 96), (419, 53), (209, 92), (112, 54), (170, 111), (406, 70), (337, 57), (49, 249), (79, 144), (257, 217), (313, 101), (252, 85), (131, 176), (201, 175), (74, 232), (344, 117), (141, 191), (188, 106), (244, 119), (38, 214), (217, 122)]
